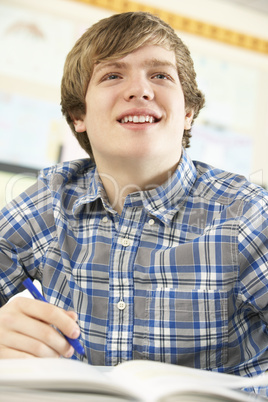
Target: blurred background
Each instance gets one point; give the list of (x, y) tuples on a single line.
[(228, 40)]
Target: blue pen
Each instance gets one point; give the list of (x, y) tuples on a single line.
[(37, 295)]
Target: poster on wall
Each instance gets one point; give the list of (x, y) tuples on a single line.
[(31, 131), (222, 148), (33, 44), (223, 133)]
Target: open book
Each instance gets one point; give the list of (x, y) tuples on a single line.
[(136, 380)]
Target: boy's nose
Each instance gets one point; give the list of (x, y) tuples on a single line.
[(139, 89)]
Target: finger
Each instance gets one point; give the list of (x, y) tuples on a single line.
[(14, 319), (8, 353), (72, 314), (56, 316), (35, 337), (30, 346), (52, 315)]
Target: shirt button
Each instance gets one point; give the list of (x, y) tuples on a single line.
[(151, 222), (121, 305), (105, 219), (126, 242)]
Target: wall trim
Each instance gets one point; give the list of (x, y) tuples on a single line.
[(186, 24)]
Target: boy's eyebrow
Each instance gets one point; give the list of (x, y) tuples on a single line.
[(123, 65), (159, 63)]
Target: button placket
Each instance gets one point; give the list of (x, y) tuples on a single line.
[(123, 256)]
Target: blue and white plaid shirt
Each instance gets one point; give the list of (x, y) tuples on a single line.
[(181, 276)]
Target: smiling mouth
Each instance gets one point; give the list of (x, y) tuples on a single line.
[(138, 119)]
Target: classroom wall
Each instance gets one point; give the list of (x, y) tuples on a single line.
[(35, 37)]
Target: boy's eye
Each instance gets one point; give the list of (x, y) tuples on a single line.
[(111, 76), (161, 76)]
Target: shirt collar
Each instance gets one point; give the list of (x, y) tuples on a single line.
[(162, 202), (95, 191)]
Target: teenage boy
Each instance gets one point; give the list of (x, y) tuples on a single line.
[(155, 256)]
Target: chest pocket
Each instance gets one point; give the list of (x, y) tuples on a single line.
[(188, 328)]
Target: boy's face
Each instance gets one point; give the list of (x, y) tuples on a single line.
[(135, 109)]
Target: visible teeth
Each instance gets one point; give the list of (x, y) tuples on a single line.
[(138, 119)]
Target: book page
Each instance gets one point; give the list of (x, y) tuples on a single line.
[(57, 375), (136, 380), (155, 381)]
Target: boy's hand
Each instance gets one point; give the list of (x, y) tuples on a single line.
[(26, 329)]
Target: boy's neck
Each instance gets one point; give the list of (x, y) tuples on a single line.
[(119, 181)]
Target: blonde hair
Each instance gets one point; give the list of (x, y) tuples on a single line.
[(113, 38)]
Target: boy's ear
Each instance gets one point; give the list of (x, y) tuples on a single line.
[(188, 119), (78, 122), (79, 125)]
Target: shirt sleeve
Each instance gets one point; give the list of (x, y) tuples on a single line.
[(26, 229), (253, 255)]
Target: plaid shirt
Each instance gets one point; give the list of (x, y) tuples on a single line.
[(181, 276)]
